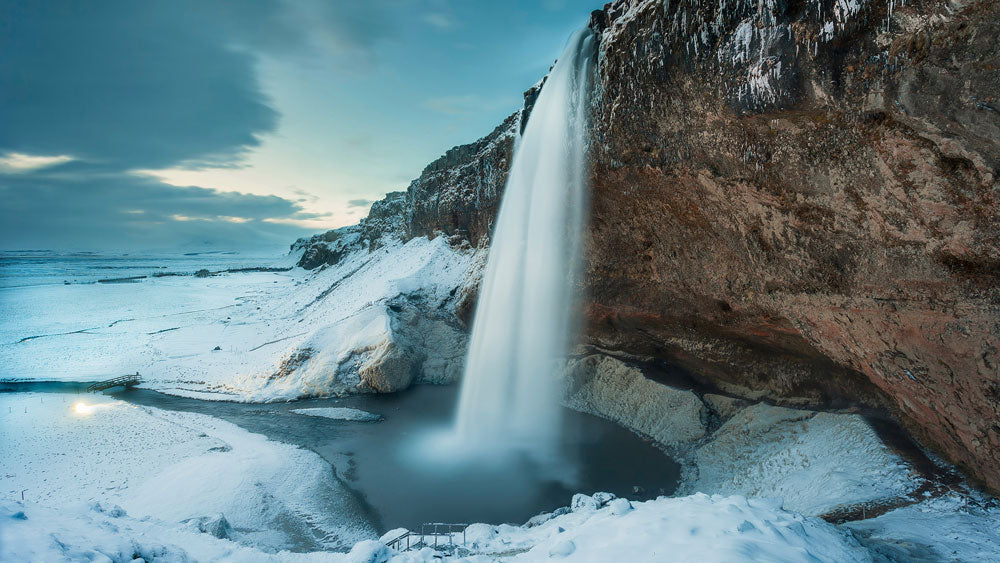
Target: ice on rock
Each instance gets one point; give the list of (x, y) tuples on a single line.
[(603, 498), (582, 502), (562, 548), (620, 506)]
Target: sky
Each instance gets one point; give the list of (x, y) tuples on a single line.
[(205, 124)]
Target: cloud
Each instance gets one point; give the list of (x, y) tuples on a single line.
[(439, 20), (98, 210), (122, 86), (349, 30), (126, 84), (359, 203), (19, 163)]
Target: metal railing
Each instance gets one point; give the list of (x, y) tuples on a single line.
[(413, 540), (125, 380)]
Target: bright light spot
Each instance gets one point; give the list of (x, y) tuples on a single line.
[(16, 163), (83, 409)]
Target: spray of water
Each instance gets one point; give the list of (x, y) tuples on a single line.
[(524, 323)]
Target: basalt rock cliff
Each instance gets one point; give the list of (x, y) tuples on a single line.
[(792, 200)]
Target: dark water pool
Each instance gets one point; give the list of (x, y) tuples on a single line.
[(404, 482)]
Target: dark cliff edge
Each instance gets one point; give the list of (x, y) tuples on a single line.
[(795, 201)]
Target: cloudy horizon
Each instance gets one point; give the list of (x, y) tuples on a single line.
[(206, 125)]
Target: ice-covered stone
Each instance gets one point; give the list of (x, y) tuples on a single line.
[(609, 388), (582, 502), (620, 506)]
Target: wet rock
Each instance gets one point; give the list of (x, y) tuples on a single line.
[(609, 388)]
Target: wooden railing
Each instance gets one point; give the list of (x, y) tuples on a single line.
[(413, 540), (124, 380)]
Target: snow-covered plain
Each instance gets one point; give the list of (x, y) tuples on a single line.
[(62, 450), (223, 337)]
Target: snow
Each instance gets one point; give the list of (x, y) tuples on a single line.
[(167, 328), (340, 413), (109, 481), (62, 449), (691, 528), (814, 461), (694, 528), (947, 528)]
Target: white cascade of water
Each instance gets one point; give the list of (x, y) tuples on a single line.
[(524, 323)]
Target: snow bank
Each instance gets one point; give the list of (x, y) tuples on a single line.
[(171, 466), (814, 461), (694, 528), (948, 528), (340, 413)]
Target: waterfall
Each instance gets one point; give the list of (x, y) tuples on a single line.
[(524, 323)]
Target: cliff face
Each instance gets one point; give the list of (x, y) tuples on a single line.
[(792, 200), (800, 199)]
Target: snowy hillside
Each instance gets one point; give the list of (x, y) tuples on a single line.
[(256, 336)]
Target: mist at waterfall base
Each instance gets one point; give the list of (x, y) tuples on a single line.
[(508, 417)]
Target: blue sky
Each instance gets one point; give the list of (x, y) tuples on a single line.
[(200, 124)]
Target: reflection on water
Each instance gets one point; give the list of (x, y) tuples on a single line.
[(406, 477)]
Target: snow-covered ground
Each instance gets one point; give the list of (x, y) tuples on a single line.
[(599, 528), (224, 337), (949, 528), (62, 450), (816, 462)]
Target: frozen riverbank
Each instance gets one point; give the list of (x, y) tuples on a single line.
[(65, 449)]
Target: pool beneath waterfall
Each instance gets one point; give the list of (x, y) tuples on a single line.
[(384, 464)]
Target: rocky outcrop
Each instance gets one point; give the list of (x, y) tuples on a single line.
[(817, 462), (457, 195), (799, 200), (327, 249), (607, 387), (795, 200)]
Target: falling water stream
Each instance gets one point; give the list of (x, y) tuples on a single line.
[(523, 321)]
